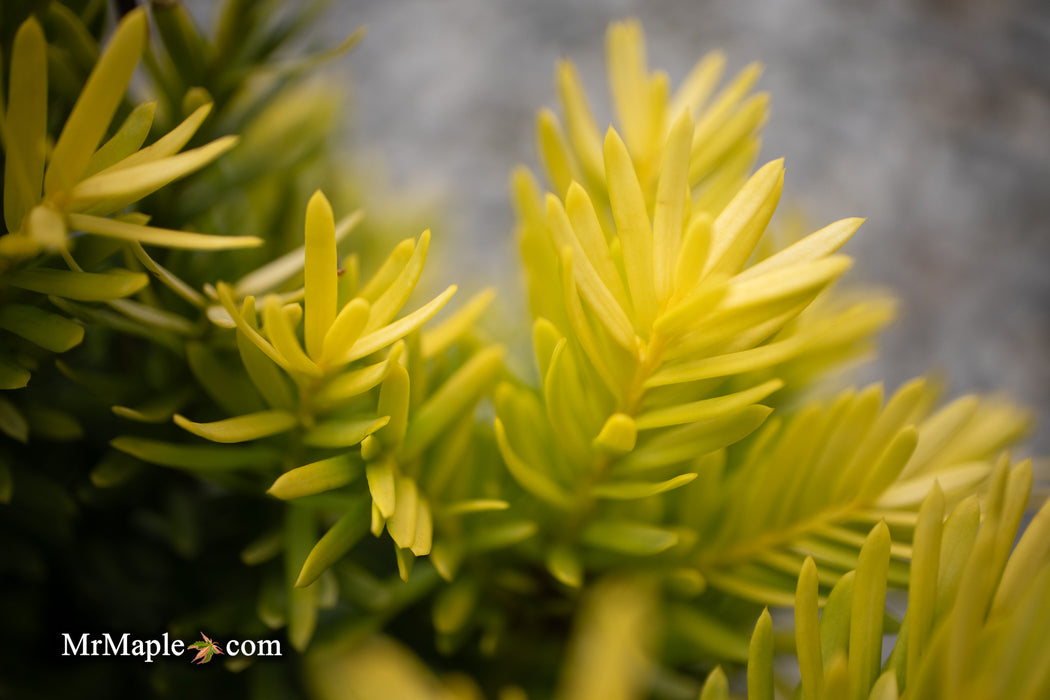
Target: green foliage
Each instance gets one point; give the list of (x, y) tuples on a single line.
[(969, 615), (347, 466)]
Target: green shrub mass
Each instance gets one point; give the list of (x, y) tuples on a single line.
[(226, 408)]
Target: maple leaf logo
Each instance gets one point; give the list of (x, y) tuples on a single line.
[(205, 650)]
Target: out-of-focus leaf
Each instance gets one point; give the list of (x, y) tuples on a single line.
[(564, 565), (630, 490), (158, 409), (402, 523), (222, 379), (81, 286), (346, 532), (98, 101), (627, 537), (12, 374), (457, 394), (128, 139), (618, 435), (393, 402), (153, 316), (48, 331), (381, 484), (316, 477), (26, 124), (12, 422), (263, 549), (454, 605), (342, 433), (302, 602), (530, 477), (197, 457), (609, 657), (498, 536), (707, 409), (439, 337), (49, 423)]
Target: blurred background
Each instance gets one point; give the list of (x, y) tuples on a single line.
[(930, 118)]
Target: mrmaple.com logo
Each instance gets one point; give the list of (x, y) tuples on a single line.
[(148, 649)]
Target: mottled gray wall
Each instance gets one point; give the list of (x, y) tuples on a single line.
[(930, 118)]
